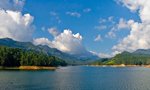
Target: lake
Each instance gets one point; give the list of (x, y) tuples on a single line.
[(77, 78)]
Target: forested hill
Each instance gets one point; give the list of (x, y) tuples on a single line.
[(10, 57), (131, 59), (139, 57)]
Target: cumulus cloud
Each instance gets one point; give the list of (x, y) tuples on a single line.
[(142, 6), (140, 31), (15, 25), (53, 31), (42, 41), (74, 14), (123, 24), (98, 38), (15, 5), (65, 41)]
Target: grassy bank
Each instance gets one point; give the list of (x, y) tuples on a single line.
[(29, 68)]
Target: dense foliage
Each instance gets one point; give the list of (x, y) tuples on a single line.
[(130, 58), (125, 58), (100, 62), (18, 57)]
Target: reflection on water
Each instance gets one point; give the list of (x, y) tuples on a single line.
[(78, 78)]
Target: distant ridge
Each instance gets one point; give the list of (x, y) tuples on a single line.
[(72, 59)]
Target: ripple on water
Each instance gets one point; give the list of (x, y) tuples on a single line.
[(78, 78)]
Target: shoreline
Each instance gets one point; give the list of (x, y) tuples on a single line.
[(54, 68), (121, 65), (29, 68)]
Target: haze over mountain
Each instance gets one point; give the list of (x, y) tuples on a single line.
[(142, 51)]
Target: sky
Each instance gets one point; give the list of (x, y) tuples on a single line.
[(102, 27)]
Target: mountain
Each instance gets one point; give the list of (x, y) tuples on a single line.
[(138, 57), (72, 59), (142, 51)]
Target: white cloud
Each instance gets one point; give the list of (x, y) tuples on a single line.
[(69, 42), (15, 25), (140, 31), (123, 24), (112, 26), (42, 41), (142, 6), (98, 38), (74, 14), (65, 41), (107, 24), (110, 34), (53, 31), (106, 20), (101, 27), (16, 5), (102, 55), (87, 10)]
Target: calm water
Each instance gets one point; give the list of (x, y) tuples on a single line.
[(77, 78)]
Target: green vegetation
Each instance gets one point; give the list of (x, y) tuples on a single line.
[(131, 59), (10, 57), (100, 62), (125, 58)]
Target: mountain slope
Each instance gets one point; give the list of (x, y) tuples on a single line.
[(72, 59), (142, 51), (127, 58), (138, 57)]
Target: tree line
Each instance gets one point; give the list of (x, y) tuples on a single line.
[(125, 58), (11, 57)]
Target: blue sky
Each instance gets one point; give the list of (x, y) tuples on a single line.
[(85, 24), (104, 27)]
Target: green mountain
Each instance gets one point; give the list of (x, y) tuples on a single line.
[(131, 58), (71, 59), (138, 57)]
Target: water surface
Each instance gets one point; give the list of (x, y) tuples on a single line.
[(77, 78)]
